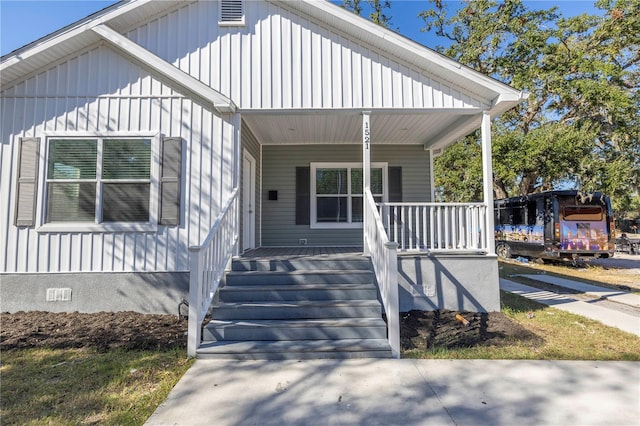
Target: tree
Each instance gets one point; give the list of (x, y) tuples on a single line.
[(580, 124), (376, 8)]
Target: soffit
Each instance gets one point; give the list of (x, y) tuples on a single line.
[(428, 128)]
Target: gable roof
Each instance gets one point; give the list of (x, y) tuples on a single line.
[(92, 29), (109, 24)]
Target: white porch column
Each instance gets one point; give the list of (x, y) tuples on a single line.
[(366, 169), (487, 181), (432, 183)]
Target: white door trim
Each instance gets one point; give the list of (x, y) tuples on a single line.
[(248, 201)]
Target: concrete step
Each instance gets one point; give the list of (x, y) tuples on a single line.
[(298, 277), (301, 264), (249, 293), (298, 310), (297, 349), (318, 329)]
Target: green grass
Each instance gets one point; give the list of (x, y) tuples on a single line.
[(80, 386), (560, 336)]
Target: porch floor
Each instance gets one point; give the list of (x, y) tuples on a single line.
[(302, 251)]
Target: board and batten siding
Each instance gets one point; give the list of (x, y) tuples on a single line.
[(279, 173), (99, 92), (282, 60)]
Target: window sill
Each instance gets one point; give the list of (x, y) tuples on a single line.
[(357, 225), (95, 227)]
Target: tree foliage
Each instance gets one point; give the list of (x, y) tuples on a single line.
[(376, 10), (580, 125)]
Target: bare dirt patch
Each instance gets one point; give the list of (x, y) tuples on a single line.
[(101, 331), (130, 330), (426, 330)]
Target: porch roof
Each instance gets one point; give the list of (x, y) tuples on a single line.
[(433, 128)]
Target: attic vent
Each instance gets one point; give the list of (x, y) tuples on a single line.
[(231, 12)]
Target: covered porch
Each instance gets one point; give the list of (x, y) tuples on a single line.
[(424, 255), (297, 155)]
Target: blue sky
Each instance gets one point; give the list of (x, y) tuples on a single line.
[(24, 21)]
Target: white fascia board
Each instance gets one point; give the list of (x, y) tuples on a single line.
[(69, 32), (184, 82)]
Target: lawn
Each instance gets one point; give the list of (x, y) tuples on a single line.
[(116, 368), (86, 386)]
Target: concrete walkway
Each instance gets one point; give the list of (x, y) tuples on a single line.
[(404, 392), (610, 317), (624, 297)]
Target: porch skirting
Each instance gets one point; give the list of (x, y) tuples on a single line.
[(151, 292), (448, 281)]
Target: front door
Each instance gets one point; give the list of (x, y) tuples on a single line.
[(248, 201)]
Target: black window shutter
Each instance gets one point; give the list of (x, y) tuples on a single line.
[(27, 185), (395, 184), (170, 175), (303, 196)]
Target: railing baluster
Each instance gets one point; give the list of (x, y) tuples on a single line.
[(443, 227), (454, 227), (432, 229), (418, 230), (410, 229), (403, 225)]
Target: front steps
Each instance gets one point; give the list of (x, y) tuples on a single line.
[(302, 307)]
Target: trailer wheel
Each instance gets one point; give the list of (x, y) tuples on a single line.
[(503, 251)]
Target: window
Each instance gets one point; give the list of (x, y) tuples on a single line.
[(336, 193), (573, 213), (98, 180)]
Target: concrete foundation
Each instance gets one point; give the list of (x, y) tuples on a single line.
[(455, 282), (157, 293)]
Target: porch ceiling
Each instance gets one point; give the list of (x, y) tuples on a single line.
[(436, 128)]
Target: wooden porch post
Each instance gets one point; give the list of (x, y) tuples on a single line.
[(487, 182), (366, 170)]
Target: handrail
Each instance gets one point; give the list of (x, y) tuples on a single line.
[(436, 227), (207, 263), (384, 257)]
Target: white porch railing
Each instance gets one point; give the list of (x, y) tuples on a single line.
[(436, 227), (384, 257), (207, 266)]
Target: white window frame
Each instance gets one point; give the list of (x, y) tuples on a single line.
[(97, 226), (313, 222)]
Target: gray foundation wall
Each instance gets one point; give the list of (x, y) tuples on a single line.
[(157, 293), (460, 283)]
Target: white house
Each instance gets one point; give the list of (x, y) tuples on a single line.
[(127, 136)]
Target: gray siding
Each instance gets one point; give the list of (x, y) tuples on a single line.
[(279, 173)]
